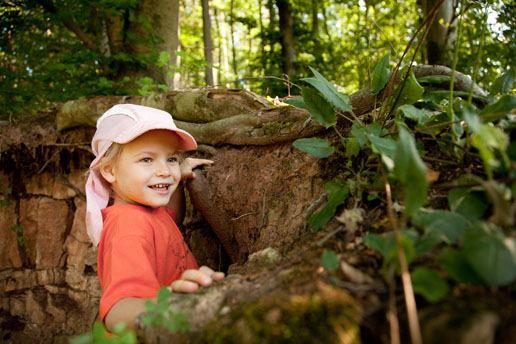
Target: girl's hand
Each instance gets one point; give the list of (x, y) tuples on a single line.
[(189, 164), (192, 279)]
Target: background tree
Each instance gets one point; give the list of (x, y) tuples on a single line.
[(208, 46), (286, 24), (120, 47), (442, 34)]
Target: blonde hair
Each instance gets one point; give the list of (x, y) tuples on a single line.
[(111, 156)]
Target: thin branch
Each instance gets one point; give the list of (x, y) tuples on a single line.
[(390, 82), (70, 24), (410, 301)]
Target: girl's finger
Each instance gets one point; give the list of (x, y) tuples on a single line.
[(182, 286), (197, 276), (207, 270), (217, 276)]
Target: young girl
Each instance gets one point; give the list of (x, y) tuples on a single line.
[(140, 248)]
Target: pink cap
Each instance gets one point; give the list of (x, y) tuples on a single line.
[(121, 124)]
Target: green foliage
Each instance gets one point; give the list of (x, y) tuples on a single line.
[(381, 74), (337, 195), (490, 253), (318, 148), (429, 284), (471, 241), (448, 226), (43, 62), (329, 260), (99, 335), (159, 314), (410, 171)]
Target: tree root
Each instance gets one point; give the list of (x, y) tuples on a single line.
[(237, 117)]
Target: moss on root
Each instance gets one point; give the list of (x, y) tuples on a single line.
[(328, 315)]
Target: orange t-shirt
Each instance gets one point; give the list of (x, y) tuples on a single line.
[(140, 250)]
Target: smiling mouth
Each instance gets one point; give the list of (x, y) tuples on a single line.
[(160, 187)]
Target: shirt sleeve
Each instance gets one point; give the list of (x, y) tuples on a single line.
[(127, 261)]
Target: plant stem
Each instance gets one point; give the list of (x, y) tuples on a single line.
[(392, 315), (410, 300), (454, 62)]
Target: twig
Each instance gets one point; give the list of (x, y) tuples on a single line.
[(47, 162), (390, 82), (239, 217), (444, 124), (263, 206), (448, 162), (410, 301), (313, 207), (329, 235)]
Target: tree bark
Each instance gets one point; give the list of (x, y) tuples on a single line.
[(287, 37), (163, 17), (208, 45)]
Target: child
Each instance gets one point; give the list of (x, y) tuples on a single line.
[(140, 248)]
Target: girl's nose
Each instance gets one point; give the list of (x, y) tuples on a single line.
[(163, 169)]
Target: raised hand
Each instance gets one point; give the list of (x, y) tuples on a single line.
[(189, 164)]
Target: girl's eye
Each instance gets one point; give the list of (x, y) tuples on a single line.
[(146, 160), (172, 159)]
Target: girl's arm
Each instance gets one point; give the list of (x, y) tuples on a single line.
[(177, 201), (127, 309)]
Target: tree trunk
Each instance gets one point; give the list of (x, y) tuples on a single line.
[(208, 45), (440, 40), (163, 17), (287, 37)]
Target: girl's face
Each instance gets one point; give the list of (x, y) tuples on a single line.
[(147, 171)]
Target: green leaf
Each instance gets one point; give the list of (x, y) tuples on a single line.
[(352, 146), (329, 91), (163, 294), (362, 133), (426, 243), (320, 109), (491, 254), (503, 84), (163, 59), (386, 244), (381, 74), (411, 92), (378, 243), (429, 284), (329, 260), (412, 112), (471, 117), (337, 194), (383, 145), (457, 267), (470, 204), (298, 102), (446, 225), (410, 170), (503, 105), (318, 148), (408, 248)]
